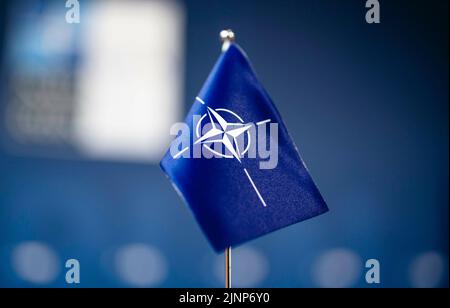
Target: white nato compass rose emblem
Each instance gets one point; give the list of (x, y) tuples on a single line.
[(226, 133), (223, 132)]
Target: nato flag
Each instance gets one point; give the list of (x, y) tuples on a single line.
[(237, 167)]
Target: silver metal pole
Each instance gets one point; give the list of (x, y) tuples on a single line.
[(227, 37)]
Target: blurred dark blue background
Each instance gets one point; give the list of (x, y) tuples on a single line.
[(367, 105)]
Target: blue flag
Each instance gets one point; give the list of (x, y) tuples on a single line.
[(234, 162)]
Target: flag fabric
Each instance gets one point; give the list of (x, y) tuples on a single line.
[(232, 196)]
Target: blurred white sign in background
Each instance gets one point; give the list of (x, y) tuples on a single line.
[(131, 79)]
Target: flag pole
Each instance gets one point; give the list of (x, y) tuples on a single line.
[(228, 267), (227, 37)]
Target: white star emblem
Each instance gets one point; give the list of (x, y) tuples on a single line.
[(226, 133), (223, 133)]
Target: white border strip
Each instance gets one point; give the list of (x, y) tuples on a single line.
[(181, 152), (200, 100), (256, 189), (263, 122)]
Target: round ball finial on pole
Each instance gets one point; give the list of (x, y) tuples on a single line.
[(227, 37)]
